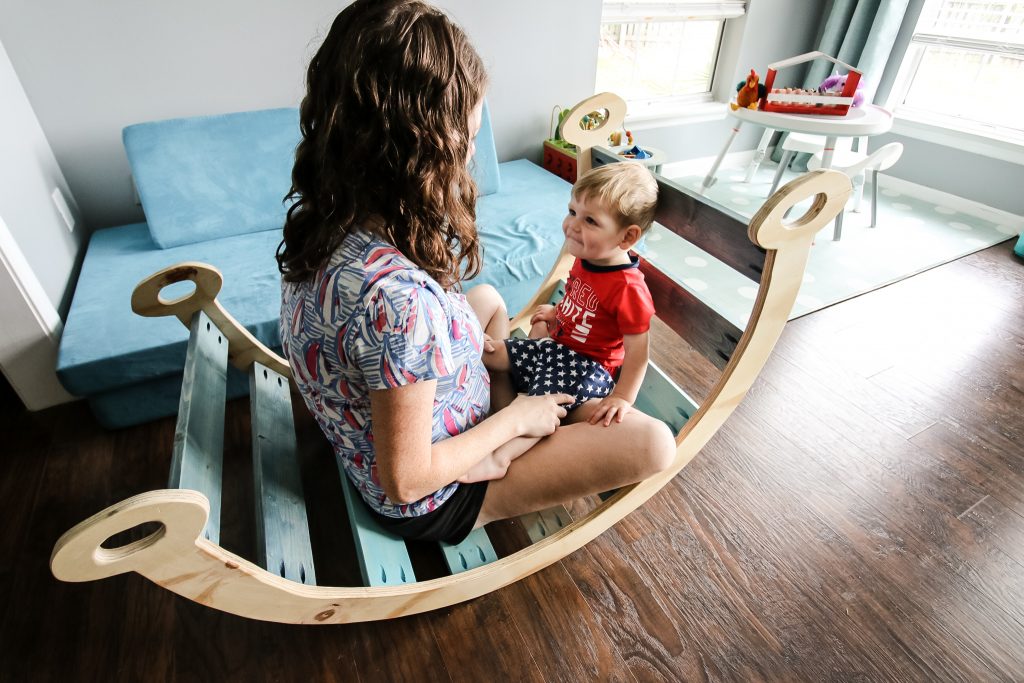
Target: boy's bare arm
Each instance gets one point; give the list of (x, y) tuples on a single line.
[(637, 352), (615, 405)]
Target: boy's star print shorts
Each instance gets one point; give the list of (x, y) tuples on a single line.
[(543, 366)]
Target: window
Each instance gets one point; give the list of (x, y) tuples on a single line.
[(661, 55), (964, 69)]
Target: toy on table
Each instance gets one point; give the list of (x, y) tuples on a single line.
[(836, 83), (800, 101), (635, 152), (615, 139), (559, 155), (749, 93)]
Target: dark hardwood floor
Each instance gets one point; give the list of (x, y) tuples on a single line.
[(860, 517)]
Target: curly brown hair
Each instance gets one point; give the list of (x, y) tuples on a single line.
[(385, 141)]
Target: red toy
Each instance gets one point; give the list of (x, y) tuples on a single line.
[(797, 101)]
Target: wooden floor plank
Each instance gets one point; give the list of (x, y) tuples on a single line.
[(561, 630), (466, 630)]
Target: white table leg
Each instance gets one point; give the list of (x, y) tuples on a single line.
[(762, 147), (709, 179), (829, 151), (826, 162)]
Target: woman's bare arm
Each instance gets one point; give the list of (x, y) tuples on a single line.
[(410, 466)]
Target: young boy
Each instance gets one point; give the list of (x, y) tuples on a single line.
[(600, 327)]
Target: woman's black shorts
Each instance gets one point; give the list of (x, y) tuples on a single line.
[(450, 523)]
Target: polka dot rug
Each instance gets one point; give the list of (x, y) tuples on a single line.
[(915, 232)]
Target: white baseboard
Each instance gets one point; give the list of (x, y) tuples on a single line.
[(967, 206)]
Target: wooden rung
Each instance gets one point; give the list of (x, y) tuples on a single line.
[(475, 551), (282, 528), (198, 456), (383, 557)]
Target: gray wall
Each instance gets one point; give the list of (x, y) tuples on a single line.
[(28, 175), (90, 68)]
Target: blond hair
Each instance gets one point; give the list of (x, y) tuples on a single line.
[(627, 190)]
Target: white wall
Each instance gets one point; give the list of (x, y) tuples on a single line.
[(90, 68), (28, 175)]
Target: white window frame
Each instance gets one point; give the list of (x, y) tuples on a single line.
[(991, 141), (694, 108)]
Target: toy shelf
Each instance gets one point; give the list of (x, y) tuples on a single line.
[(803, 103)]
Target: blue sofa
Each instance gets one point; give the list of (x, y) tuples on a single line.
[(211, 188)]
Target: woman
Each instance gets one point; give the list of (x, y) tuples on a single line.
[(384, 348)]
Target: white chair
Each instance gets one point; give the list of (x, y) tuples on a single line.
[(854, 164)]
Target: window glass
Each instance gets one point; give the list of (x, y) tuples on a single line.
[(965, 64), (648, 61)]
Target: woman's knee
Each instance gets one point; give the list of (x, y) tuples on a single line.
[(657, 446), (485, 296)]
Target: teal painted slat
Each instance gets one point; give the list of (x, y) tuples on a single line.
[(383, 557), (198, 456), (475, 551), (662, 398), (282, 528), (540, 525), (558, 292)]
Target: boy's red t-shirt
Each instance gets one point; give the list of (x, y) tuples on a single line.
[(601, 304)]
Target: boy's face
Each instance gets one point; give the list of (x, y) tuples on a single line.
[(595, 234)]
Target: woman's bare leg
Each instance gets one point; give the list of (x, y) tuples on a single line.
[(490, 311), (496, 465), (579, 460)]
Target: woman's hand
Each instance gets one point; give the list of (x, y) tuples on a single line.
[(539, 416)]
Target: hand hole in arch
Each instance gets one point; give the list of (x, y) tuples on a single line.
[(594, 120), (805, 208), (177, 291), (141, 534)]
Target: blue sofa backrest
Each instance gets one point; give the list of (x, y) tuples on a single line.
[(206, 177)]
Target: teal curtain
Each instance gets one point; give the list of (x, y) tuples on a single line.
[(860, 33)]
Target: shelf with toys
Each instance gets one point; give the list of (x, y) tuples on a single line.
[(605, 110)]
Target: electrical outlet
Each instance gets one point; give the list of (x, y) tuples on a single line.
[(63, 209)]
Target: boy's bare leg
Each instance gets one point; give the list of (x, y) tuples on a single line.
[(490, 311), (539, 330)]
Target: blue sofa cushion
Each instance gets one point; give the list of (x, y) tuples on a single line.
[(106, 347), (484, 165), (207, 177), (521, 230)]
